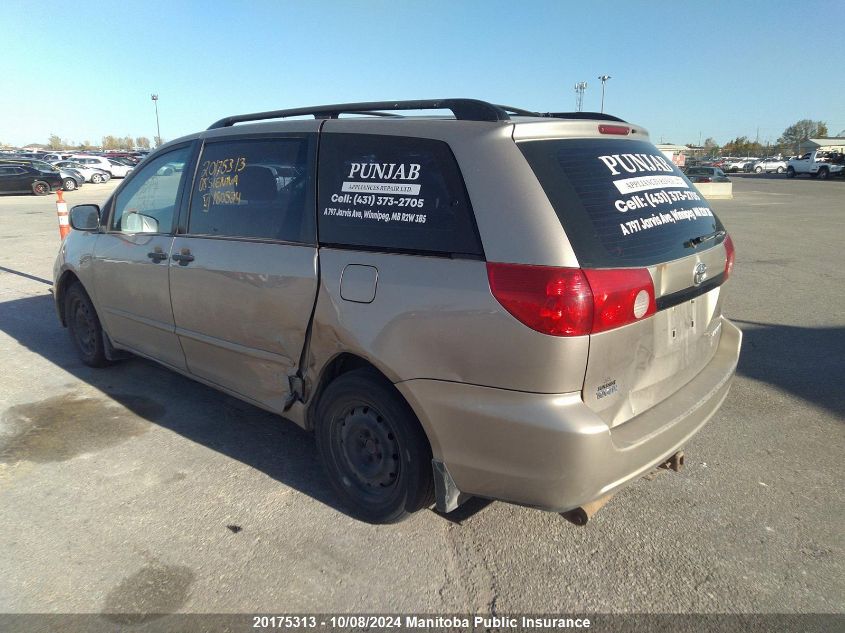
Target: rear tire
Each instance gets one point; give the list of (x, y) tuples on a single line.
[(790, 172), (84, 327), (40, 188), (68, 184), (780, 170), (758, 170), (823, 173), (96, 179), (373, 448)]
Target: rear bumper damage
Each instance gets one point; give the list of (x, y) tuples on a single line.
[(550, 451)]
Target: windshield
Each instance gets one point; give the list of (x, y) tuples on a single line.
[(622, 202)]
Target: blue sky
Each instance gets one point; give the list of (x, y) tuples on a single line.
[(681, 69)]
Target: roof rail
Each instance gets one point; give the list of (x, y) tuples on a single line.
[(463, 109)]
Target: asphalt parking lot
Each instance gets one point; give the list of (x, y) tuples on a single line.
[(133, 489)]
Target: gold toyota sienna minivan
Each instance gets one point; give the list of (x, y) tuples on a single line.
[(497, 303)]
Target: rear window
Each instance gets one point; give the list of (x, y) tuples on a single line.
[(394, 193), (621, 203)]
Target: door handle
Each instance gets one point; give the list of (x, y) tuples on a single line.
[(182, 258), (157, 256)]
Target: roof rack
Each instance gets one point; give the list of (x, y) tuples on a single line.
[(463, 109)]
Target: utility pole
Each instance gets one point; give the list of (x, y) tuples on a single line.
[(603, 79), (158, 129), (580, 87)]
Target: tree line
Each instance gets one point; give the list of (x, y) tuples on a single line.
[(787, 143), (55, 142)]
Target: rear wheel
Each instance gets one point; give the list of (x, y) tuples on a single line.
[(823, 173), (758, 170), (780, 170), (68, 184), (373, 449), (97, 179), (84, 327), (790, 172), (40, 188)]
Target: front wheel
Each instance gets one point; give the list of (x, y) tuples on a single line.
[(40, 188), (84, 327), (780, 170), (823, 174), (68, 184), (373, 448), (758, 170), (790, 172)]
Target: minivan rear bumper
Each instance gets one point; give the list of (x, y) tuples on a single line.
[(551, 451)]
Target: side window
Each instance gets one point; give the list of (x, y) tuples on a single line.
[(148, 202), (393, 193), (261, 189)]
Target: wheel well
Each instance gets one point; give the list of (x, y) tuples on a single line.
[(67, 279)]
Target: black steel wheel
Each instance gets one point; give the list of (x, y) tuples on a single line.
[(373, 448), (40, 188), (84, 327), (68, 184), (790, 172)]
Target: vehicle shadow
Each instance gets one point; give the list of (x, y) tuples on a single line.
[(203, 415), (806, 362)]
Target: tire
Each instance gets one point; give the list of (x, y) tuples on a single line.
[(758, 170), (824, 173), (68, 184), (84, 327), (97, 179), (780, 170), (790, 172), (40, 188), (373, 448)]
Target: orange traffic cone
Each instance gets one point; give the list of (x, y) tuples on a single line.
[(61, 211)]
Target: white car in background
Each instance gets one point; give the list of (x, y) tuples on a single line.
[(100, 162), (89, 172), (118, 169), (770, 164)]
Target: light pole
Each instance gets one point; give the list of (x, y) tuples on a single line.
[(158, 129), (603, 79)]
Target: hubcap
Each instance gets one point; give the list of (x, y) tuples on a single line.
[(368, 450), (84, 329)]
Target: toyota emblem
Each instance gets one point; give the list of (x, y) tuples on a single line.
[(699, 274)]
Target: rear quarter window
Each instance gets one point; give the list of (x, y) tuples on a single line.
[(622, 203), (393, 193)]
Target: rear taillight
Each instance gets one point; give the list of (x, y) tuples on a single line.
[(702, 179), (620, 296), (730, 252), (572, 301)]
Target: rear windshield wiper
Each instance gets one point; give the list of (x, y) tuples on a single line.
[(695, 241)]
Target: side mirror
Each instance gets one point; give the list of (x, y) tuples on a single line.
[(85, 217)]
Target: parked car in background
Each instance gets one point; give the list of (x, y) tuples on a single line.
[(119, 169), (17, 178), (91, 174), (70, 179), (770, 164), (56, 156), (100, 162), (733, 165), (706, 174)]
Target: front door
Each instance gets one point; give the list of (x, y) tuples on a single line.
[(243, 276), (131, 280)]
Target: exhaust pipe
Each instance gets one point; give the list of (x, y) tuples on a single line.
[(581, 515)]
